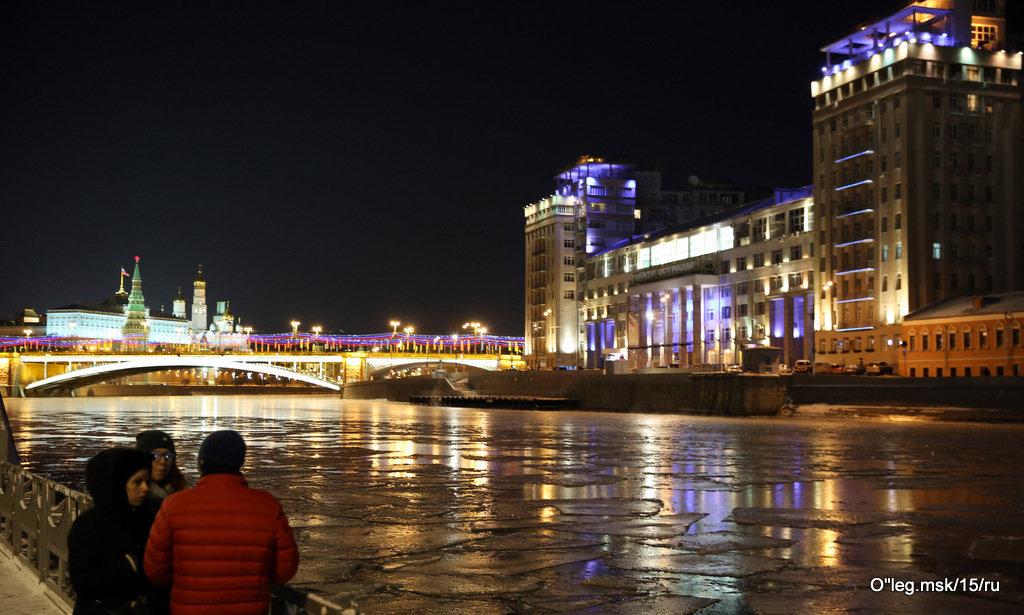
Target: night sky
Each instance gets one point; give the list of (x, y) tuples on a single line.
[(346, 165)]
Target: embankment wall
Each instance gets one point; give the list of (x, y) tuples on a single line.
[(725, 394)]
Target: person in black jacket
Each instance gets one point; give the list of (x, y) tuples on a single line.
[(107, 542)]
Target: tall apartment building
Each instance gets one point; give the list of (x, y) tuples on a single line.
[(917, 169), (593, 207)]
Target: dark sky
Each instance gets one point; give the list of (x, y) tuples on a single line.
[(346, 165)]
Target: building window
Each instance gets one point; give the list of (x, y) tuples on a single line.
[(569, 260), (569, 277), (570, 294), (967, 339), (569, 243), (759, 260), (899, 250), (727, 311), (776, 257), (936, 251), (795, 253), (725, 266)]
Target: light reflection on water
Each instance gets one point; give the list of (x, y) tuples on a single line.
[(462, 466)]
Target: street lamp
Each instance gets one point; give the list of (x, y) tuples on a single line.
[(394, 334), (408, 333), (475, 326)]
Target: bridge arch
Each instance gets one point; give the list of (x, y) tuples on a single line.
[(144, 364)]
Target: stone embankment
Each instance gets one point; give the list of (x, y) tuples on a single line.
[(970, 399), (679, 392)]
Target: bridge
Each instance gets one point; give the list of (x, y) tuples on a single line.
[(45, 364), (42, 373)]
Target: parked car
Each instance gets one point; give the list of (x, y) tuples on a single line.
[(734, 369), (785, 370), (802, 366), (853, 369), (835, 368), (822, 368), (879, 368)]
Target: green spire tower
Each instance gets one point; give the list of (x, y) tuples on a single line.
[(135, 324)]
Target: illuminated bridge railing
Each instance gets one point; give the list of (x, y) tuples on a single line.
[(36, 515), (280, 342)]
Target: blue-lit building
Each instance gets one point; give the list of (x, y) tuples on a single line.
[(701, 293), (594, 206)]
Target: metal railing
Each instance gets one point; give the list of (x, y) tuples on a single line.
[(36, 515)]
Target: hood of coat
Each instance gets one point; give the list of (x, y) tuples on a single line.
[(108, 472)]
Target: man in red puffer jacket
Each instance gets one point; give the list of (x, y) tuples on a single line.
[(221, 544)]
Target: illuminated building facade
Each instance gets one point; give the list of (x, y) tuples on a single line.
[(965, 336), (594, 206), (701, 293), (917, 160)]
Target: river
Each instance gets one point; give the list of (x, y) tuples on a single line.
[(415, 509)]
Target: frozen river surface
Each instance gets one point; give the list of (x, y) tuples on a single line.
[(441, 510)]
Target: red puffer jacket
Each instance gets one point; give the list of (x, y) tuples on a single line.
[(220, 545)]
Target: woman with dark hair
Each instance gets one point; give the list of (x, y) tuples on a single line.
[(107, 542), (165, 476)]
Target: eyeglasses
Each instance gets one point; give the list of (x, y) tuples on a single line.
[(165, 456)]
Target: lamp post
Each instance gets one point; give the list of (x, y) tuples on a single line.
[(408, 334), (28, 332), (475, 326), (394, 334)]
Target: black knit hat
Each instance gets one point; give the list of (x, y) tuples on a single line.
[(153, 439), (222, 452)]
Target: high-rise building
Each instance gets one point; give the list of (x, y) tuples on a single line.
[(917, 170), (593, 207), (199, 303)]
